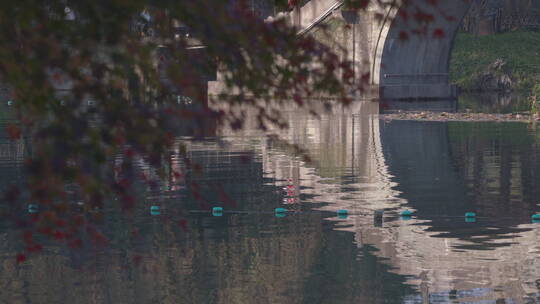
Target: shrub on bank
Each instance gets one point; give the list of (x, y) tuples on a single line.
[(481, 63), (535, 99)]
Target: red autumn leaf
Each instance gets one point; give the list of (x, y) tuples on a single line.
[(59, 235), (27, 236), (129, 153), (403, 36), (183, 224), (45, 230), (364, 4), (13, 131), (78, 220), (298, 100), (128, 202), (438, 33), (99, 239), (365, 77), (20, 258), (292, 3), (76, 244), (137, 259), (34, 248), (404, 15), (57, 77), (35, 218), (422, 17)]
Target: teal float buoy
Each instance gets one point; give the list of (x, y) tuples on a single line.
[(155, 210), (470, 214), (10, 102), (217, 211), (536, 218), (406, 213), (342, 213), (32, 208), (280, 210)]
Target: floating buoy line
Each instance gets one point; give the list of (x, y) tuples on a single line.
[(344, 213), (470, 217)]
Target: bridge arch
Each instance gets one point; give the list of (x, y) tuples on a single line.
[(413, 68), (412, 60)]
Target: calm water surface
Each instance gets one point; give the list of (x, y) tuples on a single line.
[(371, 167)]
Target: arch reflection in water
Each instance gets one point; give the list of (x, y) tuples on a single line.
[(360, 164), (441, 170)]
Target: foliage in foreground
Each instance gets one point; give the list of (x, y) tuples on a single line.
[(97, 86)]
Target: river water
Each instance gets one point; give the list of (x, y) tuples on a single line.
[(372, 167)]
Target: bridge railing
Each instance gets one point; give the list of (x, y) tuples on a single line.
[(316, 21)]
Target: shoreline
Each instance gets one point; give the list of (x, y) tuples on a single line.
[(461, 117)]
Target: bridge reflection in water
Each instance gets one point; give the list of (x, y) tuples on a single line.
[(362, 164), (441, 171)]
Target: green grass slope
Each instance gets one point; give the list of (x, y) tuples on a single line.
[(520, 50)]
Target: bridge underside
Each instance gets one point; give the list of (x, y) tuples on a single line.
[(406, 59), (418, 66)]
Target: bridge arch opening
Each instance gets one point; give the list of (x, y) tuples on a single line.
[(405, 48), (411, 59)]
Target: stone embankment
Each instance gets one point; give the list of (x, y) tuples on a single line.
[(467, 116)]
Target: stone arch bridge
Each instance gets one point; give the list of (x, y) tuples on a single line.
[(406, 59)]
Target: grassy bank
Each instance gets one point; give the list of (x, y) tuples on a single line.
[(519, 50)]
